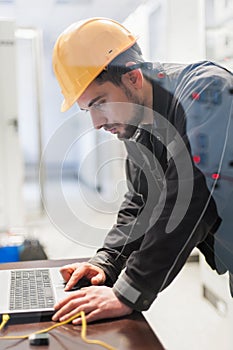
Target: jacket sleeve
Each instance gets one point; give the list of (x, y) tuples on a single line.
[(127, 234)]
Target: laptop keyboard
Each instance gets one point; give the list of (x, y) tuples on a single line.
[(31, 289)]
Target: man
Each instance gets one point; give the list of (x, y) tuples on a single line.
[(165, 114)]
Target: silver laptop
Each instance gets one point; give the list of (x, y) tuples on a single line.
[(30, 294)]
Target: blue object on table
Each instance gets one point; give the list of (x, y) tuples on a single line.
[(9, 253)]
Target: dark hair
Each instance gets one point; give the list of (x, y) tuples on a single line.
[(116, 68)]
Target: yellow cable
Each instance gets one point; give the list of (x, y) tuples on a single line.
[(40, 331), (89, 341), (5, 319)]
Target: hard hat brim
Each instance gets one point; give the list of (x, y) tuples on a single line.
[(65, 106)]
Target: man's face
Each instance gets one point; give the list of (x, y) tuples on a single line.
[(117, 109)]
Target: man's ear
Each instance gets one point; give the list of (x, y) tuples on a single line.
[(133, 78)]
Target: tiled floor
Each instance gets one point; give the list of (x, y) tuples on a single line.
[(180, 317)]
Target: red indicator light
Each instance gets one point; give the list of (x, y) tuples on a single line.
[(215, 176), (160, 75), (196, 159), (195, 96)]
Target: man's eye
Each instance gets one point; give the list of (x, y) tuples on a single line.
[(84, 110), (99, 106)]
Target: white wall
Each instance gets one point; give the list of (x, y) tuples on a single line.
[(11, 174), (185, 30), (170, 30)]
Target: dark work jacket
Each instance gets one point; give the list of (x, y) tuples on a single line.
[(169, 208)]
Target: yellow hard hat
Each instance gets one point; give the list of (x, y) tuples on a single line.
[(83, 51)]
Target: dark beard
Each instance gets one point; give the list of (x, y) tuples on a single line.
[(133, 124), (128, 133), (138, 112)]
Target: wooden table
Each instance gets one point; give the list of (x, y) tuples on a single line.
[(127, 333)]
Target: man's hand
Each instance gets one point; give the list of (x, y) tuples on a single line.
[(97, 302), (73, 272)]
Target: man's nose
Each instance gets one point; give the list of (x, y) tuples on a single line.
[(98, 120)]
